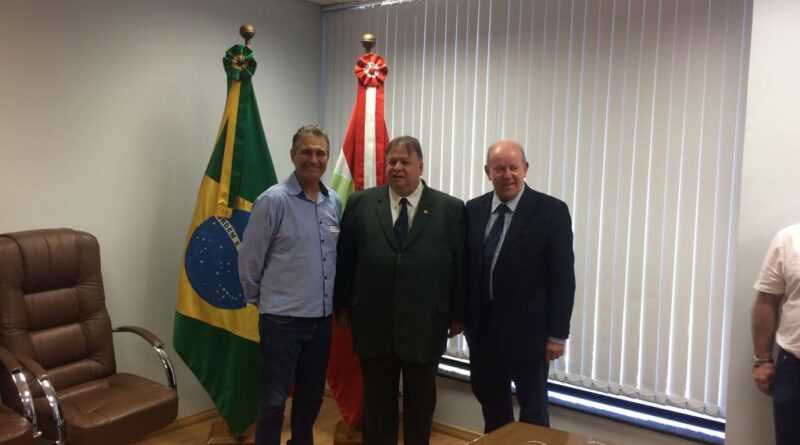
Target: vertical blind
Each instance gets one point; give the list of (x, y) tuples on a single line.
[(631, 112)]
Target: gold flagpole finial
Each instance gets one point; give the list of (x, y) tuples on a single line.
[(368, 42), (247, 31)]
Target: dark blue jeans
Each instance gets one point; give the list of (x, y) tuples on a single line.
[(294, 352), (786, 399)]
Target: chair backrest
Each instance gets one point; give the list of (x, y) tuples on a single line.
[(52, 304)]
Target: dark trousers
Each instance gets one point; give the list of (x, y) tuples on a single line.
[(381, 380), (786, 399), (491, 374), (294, 352)]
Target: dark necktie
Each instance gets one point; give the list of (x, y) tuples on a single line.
[(490, 246), (401, 225)]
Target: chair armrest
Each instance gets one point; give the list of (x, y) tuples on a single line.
[(50, 394), (9, 361), (14, 368), (144, 333), (158, 345), (33, 366)]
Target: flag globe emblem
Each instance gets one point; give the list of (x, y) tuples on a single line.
[(239, 62), (210, 261)]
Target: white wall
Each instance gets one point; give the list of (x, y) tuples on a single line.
[(108, 114), (108, 111), (769, 195)]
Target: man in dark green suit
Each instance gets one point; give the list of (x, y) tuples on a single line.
[(399, 283)]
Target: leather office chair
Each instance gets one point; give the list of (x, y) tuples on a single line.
[(14, 428), (53, 319)]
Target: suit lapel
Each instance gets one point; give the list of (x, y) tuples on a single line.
[(421, 216), (383, 212), (482, 214)]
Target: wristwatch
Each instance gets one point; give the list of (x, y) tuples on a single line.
[(758, 361)]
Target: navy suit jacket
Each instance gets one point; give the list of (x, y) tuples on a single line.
[(534, 276)]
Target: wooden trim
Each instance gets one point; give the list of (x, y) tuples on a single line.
[(185, 421), (439, 427), (221, 435), (455, 431)]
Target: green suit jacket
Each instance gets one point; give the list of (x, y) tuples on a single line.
[(402, 298)]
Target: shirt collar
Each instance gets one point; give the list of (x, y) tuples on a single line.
[(293, 185), (511, 204), (413, 198)]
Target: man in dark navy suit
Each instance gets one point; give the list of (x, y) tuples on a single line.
[(521, 289)]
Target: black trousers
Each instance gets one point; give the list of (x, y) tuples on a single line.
[(491, 374), (381, 385)]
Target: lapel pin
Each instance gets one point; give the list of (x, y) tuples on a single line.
[(425, 211)]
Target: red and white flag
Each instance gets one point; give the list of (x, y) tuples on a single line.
[(360, 166)]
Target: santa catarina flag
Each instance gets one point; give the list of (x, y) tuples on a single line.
[(216, 332), (360, 166)]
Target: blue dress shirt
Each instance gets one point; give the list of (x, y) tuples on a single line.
[(512, 207), (287, 260)]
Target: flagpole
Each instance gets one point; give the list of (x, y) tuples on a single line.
[(220, 434), (247, 31), (344, 434), (367, 129), (211, 314), (368, 42)]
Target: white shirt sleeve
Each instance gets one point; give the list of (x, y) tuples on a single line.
[(772, 279)]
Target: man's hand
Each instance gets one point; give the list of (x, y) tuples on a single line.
[(343, 318), (764, 324), (553, 351), (763, 375), (456, 327)]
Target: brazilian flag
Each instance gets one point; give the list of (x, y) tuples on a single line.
[(216, 333)]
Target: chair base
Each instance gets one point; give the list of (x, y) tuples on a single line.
[(221, 435)]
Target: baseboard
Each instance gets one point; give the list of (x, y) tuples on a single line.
[(440, 427), (189, 420), (455, 431)]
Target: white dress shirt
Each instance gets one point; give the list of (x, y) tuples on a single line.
[(411, 207)]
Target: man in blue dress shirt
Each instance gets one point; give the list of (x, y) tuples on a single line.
[(287, 266)]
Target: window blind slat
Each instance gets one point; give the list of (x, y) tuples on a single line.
[(630, 111)]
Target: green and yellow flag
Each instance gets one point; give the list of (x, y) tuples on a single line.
[(216, 333)]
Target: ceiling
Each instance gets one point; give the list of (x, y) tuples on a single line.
[(337, 2), (333, 2)]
